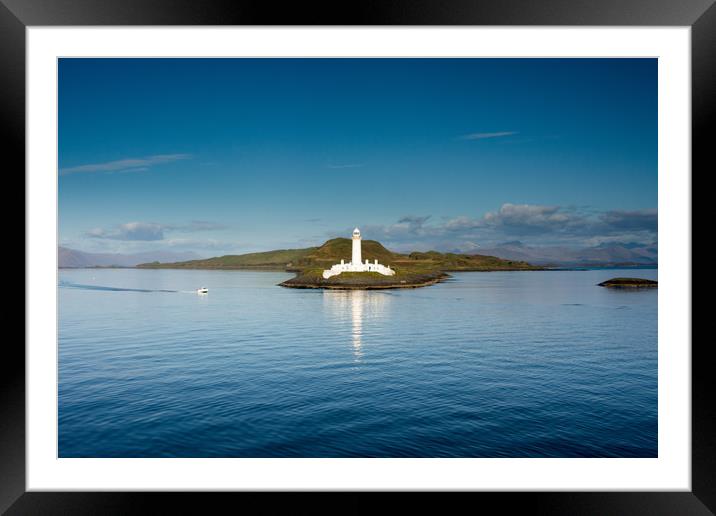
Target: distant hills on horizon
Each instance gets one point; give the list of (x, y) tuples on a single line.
[(561, 256), (613, 253), (73, 259)]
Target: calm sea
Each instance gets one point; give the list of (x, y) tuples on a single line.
[(501, 364)]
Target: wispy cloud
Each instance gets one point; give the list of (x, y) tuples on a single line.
[(125, 165), (205, 247), (483, 136), (414, 221), (195, 225), (346, 165)]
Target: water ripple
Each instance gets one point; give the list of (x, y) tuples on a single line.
[(486, 365)]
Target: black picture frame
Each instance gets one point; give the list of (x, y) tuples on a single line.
[(17, 15)]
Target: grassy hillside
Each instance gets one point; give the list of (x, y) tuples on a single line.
[(336, 249), (432, 260), (280, 259)]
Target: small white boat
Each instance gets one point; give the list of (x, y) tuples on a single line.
[(202, 290)]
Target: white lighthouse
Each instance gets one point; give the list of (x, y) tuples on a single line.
[(356, 258), (356, 264)]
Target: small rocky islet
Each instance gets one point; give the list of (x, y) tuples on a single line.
[(629, 283)]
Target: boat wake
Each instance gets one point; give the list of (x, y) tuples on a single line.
[(65, 284)]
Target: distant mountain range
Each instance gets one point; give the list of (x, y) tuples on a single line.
[(616, 253), (71, 258)]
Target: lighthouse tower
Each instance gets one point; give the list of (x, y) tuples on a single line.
[(355, 265), (356, 258)]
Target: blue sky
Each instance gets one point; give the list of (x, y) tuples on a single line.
[(225, 156)]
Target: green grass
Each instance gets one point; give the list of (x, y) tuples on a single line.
[(278, 259)]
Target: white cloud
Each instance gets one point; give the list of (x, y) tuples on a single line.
[(639, 220), (150, 231), (144, 231), (536, 224)]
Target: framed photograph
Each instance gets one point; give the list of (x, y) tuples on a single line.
[(414, 249)]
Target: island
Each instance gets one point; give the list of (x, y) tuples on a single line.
[(629, 283), (335, 265)]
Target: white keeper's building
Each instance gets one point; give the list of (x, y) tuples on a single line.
[(356, 264)]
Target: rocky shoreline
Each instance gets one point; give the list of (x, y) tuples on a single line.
[(365, 281)]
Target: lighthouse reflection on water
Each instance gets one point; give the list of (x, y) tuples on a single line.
[(357, 315)]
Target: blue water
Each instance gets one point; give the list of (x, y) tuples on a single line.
[(502, 364)]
